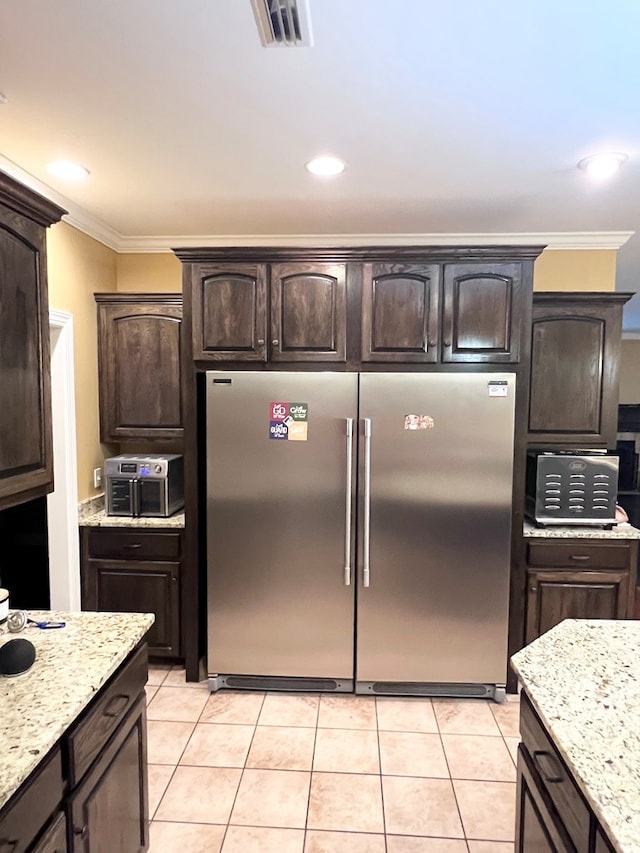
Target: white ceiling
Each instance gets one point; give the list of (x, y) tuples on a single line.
[(457, 117)]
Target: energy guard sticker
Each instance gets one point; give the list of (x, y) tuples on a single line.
[(498, 388), (288, 421), (418, 422)]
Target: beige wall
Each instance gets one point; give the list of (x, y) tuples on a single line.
[(147, 273), (630, 372), (79, 266), (575, 269)]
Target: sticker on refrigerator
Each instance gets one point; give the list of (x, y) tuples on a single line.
[(288, 421), (418, 422), (498, 388)]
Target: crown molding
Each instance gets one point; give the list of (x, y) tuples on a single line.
[(103, 233)]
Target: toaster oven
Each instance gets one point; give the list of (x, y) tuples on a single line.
[(149, 485), (572, 487)]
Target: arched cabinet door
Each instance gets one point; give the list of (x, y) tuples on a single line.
[(139, 366), (575, 366), (26, 457)]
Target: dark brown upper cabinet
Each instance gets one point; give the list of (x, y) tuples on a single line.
[(400, 311), (308, 312), (575, 366), (481, 313), (26, 456), (229, 320), (139, 366)]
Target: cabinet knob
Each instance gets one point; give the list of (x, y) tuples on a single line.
[(260, 342), (275, 342), (533, 588), (447, 343), (432, 343), (82, 832)]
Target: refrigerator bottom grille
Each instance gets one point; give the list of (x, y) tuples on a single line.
[(269, 682), (431, 688)]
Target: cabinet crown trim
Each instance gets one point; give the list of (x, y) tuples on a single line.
[(22, 200), (552, 297), (137, 297)]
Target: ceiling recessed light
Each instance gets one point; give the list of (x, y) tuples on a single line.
[(325, 166), (68, 171), (601, 166)]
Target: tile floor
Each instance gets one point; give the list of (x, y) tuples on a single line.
[(278, 773)]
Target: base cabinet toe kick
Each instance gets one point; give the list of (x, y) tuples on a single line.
[(90, 793)]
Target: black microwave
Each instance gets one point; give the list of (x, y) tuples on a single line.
[(149, 486), (572, 487)]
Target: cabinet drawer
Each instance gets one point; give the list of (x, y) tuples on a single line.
[(133, 544), (578, 554), (55, 838), (556, 779), (23, 819), (89, 736)]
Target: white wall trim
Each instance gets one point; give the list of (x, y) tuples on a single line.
[(62, 504), (631, 335)]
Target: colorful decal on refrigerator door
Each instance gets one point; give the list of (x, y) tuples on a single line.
[(288, 421), (418, 422), (498, 388)]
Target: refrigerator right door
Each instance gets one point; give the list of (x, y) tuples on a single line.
[(435, 483)]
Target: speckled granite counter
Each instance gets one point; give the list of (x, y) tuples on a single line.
[(71, 665), (583, 678), (620, 531), (101, 519)]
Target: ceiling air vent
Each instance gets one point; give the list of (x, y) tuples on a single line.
[(283, 23)]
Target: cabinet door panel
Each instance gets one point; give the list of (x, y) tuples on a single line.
[(481, 318), (229, 313), (308, 312), (400, 304), (139, 368), (554, 596), (539, 828)]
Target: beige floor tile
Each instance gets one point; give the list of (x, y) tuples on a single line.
[(255, 839), (507, 716), (159, 777), (346, 751), (199, 795), (414, 844), (347, 712), (345, 802), (282, 748), (405, 715), (275, 798), (185, 837), (150, 690), (218, 745), (343, 842), (287, 710), (478, 757), (242, 708), (512, 745), (488, 809), (179, 704), (166, 741), (420, 807), (412, 754), (490, 847), (177, 677), (465, 717), (157, 673)]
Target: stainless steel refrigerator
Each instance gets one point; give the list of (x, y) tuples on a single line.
[(358, 531)]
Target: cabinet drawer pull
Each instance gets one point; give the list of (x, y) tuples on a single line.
[(580, 558), (554, 773), (82, 832), (116, 706), (7, 846), (133, 545)]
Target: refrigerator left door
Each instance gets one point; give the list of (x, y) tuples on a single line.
[(280, 533)]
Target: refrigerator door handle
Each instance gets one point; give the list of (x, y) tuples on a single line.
[(347, 517), (367, 502)]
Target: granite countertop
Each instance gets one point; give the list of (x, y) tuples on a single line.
[(583, 678), (72, 664), (619, 531), (101, 519)]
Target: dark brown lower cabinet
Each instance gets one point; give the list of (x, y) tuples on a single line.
[(552, 815), (578, 579), (135, 570), (90, 794)]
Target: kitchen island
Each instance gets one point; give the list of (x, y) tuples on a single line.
[(74, 738), (579, 760)]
